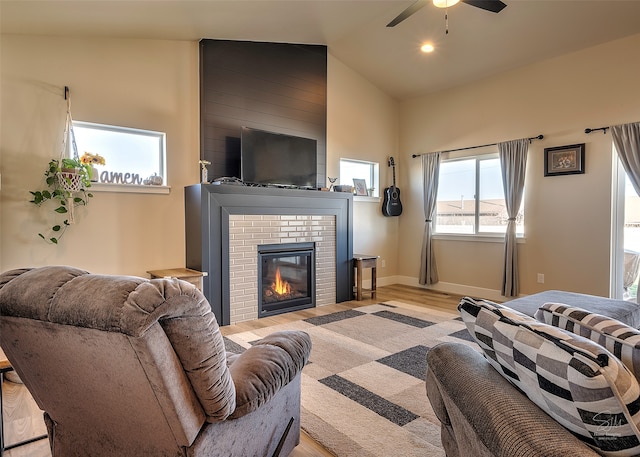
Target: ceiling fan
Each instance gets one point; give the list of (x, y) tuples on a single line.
[(494, 6)]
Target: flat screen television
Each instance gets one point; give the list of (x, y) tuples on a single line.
[(269, 158)]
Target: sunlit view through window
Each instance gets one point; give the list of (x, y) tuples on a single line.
[(471, 198), (131, 155), (631, 240), (360, 169)]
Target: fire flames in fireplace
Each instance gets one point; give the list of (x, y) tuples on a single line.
[(280, 286), (280, 289)]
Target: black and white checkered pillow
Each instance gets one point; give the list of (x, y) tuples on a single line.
[(574, 380), (620, 339)]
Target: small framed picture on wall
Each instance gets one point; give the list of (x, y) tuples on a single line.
[(564, 160)]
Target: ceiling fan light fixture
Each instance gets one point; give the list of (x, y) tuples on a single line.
[(445, 3)]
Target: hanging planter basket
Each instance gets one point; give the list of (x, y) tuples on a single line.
[(67, 180), (71, 181)]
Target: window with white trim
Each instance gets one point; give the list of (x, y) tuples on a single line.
[(360, 169), (471, 198), (132, 156)]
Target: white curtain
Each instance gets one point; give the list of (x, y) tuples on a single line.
[(513, 159), (430, 172), (626, 139)]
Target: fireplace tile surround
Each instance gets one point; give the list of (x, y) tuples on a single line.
[(246, 232), (226, 223)]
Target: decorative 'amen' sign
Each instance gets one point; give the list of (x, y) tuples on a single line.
[(117, 177)]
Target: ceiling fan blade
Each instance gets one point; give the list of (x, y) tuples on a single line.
[(495, 6), (408, 12)]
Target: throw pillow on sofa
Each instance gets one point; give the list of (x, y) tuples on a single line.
[(574, 380), (620, 339)]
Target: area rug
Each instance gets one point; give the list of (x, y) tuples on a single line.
[(363, 390)]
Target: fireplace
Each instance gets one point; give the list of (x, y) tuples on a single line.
[(286, 278), (225, 224)]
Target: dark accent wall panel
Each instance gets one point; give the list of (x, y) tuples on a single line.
[(277, 87)]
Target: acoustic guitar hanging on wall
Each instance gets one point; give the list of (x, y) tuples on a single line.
[(391, 205)]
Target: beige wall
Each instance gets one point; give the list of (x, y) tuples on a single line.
[(135, 83), (151, 85), (567, 217), (362, 124), (154, 85)]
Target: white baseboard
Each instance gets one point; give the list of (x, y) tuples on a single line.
[(448, 287)]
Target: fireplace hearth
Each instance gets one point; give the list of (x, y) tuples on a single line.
[(286, 278)]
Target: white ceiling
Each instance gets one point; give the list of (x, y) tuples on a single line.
[(479, 44)]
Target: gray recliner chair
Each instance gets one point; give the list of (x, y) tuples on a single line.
[(125, 366)]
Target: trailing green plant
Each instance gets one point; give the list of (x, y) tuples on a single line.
[(59, 178)]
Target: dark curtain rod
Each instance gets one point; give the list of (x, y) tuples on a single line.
[(604, 130), (539, 137)]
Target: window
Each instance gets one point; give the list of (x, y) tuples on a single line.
[(471, 198), (631, 239), (360, 169), (131, 155)]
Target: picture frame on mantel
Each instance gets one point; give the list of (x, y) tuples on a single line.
[(564, 160)]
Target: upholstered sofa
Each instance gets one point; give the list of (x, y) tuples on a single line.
[(125, 366), (484, 414)]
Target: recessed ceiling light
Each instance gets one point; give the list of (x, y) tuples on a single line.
[(427, 47)]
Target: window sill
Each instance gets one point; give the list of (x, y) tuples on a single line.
[(129, 188), (362, 198), (476, 238)]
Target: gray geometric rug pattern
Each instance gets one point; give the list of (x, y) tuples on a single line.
[(363, 390)]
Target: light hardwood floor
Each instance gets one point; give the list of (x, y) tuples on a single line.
[(23, 419)]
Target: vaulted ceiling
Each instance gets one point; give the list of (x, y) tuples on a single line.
[(479, 44)]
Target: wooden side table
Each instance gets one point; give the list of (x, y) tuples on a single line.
[(361, 261), (186, 274)]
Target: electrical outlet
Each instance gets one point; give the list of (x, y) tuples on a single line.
[(383, 263), (540, 278)]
